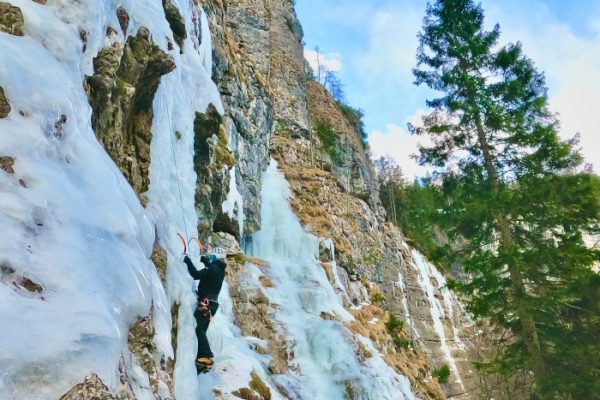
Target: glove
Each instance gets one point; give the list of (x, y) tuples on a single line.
[(185, 257)]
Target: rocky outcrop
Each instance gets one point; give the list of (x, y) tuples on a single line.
[(414, 292), (253, 311), (7, 163), (370, 321), (352, 165), (261, 72), (212, 161), (11, 19), (142, 347), (159, 258), (287, 73), (4, 104), (92, 388), (240, 36), (256, 390), (251, 307), (121, 93), (176, 22)]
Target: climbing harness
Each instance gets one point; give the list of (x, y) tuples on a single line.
[(204, 308)]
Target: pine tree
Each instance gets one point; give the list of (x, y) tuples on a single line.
[(513, 195)]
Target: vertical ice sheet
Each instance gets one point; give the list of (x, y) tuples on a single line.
[(74, 225), (324, 352), (206, 44), (77, 228), (182, 93), (328, 242)]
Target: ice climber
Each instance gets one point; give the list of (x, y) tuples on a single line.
[(211, 280)]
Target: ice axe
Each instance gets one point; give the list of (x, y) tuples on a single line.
[(186, 244)]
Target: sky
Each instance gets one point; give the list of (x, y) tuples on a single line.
[(372, 44)]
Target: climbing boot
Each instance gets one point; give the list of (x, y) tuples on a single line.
[(203, 364)]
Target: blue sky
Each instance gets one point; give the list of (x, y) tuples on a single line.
[(373, 43)]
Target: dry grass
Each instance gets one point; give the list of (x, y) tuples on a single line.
[(246, 394), (328, 271), (262, 264), (260, 387), (410, 363), (266, 282)]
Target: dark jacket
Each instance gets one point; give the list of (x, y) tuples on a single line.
[(211, 277)]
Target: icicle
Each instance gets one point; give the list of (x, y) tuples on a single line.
[(334, 269), (205, 50), (233, 205), (407, 317)]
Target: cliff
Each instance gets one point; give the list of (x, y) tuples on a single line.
[(156, 118)]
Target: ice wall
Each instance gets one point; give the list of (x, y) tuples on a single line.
[(171, 196), (69, 220)]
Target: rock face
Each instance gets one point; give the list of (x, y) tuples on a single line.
[(354, 168), (212, 161), (121, 92), (287, 73), (142, 347), (11, 19), (7, 163), (260, 71), (176, 22), (4, 105), (372, 253), (338, 199), (240, 76), (91, 389)]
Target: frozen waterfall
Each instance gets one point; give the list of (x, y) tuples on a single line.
[(324, 364)]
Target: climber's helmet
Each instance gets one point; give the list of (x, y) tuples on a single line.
[(219, 253)]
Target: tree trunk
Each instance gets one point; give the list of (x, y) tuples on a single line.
[(530, 334)]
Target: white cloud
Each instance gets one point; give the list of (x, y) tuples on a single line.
[(399, 145), (330, 61)]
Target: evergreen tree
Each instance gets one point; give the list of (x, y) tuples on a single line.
[(513, 196)]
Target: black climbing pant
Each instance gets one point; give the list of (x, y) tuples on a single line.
[(203, 315)]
